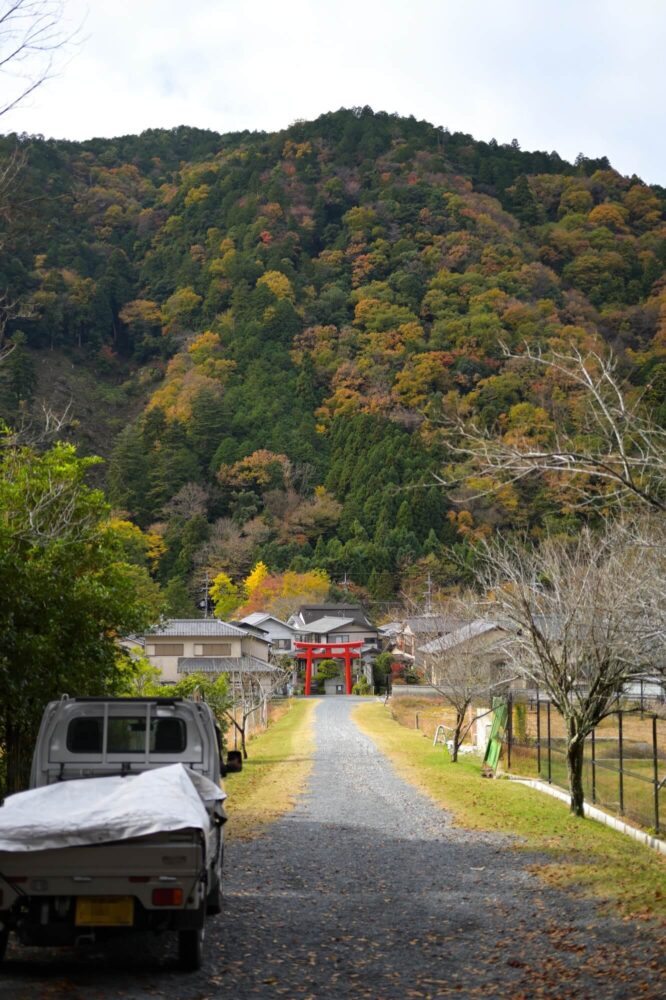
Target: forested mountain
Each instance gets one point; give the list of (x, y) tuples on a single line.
[(264, 334)]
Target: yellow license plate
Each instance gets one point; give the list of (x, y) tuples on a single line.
[(104, 911)]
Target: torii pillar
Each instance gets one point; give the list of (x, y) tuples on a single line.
[(308, 671)]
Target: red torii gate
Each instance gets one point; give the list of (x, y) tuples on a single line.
[(310, 651)]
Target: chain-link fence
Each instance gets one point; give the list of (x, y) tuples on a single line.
[(624, 767)]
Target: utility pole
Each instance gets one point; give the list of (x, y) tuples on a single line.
[(428, 595), (206, 586)]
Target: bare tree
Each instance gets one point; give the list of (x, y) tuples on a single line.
[(250, 692), (617, 454), (34, 39), (463, 667), (575, 611)]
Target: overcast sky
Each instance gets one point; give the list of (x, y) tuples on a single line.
[(571, 75)]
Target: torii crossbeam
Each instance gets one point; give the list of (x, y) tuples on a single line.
[(310, 651)]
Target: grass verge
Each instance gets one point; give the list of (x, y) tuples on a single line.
[(279, 762), (582, 853)]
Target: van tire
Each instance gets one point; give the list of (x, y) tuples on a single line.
[(190, 949)]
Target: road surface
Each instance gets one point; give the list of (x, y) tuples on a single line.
[(366, 890)]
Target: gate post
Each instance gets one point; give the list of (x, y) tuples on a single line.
[(348, 673), (308, 671)]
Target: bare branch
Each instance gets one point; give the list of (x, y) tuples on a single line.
[(580, 615), (626, 464), (34, 40)]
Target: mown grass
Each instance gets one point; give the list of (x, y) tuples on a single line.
[(597, 860), (278, 765)]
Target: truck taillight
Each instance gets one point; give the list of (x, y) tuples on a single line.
[(167, 897)]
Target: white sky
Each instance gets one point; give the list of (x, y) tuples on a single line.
[(571, 75)]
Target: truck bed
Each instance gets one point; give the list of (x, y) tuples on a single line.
[(53, 896)]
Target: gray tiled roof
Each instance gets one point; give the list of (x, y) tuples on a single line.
[(196, 626), (223, 665), (463, 634), (325, 625), (310, 613), (432, 625), (257, 618)]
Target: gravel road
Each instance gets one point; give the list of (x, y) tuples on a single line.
[(366, 890)]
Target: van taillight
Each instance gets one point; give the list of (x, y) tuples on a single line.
[(167, 897)]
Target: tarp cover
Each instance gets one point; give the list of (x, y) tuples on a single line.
[(100, 810)]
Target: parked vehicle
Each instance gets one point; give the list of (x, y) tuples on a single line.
[(122, 828)]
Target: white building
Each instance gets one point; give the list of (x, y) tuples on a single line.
[(280, 635), (182, 646)]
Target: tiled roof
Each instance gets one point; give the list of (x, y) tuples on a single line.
[(390, 630), (432, 624), (196, 626), (310, 613), (325, 625), (461, 635), (257, 618), (254, 630), (223, 665)]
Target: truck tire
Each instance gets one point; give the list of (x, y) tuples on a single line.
[(214, 897), (190, 949)]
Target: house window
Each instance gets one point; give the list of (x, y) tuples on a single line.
[(167, 649), (339, 638), (213, 649), (283, 643)]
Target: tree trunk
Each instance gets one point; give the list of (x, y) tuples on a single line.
[(460, 718), (575, 756)]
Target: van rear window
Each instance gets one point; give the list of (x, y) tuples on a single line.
[(126, 734)]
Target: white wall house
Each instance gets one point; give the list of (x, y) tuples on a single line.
[(182, 646), (279, 633)]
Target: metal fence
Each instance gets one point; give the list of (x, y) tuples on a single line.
[(624, 767)]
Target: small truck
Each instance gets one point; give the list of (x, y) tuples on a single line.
[(121, 829)]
